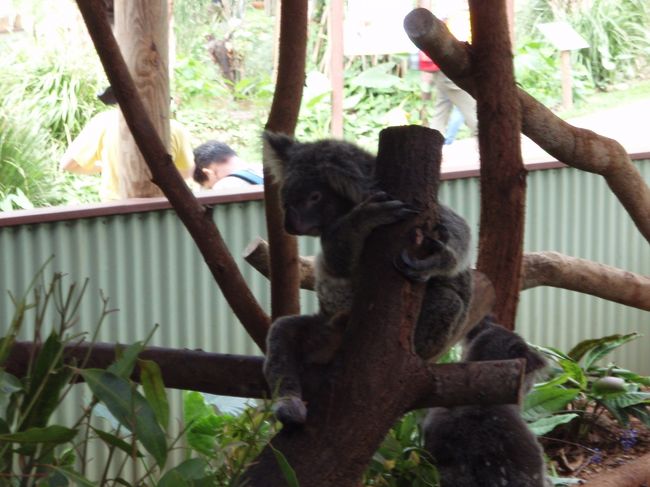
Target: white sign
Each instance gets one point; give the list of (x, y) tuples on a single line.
[(376, 27), (563, 36)]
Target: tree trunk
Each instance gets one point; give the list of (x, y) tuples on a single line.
[(376, 377), (141, 29), (503, 177)]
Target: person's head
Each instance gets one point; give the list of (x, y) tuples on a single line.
[(213, 161), (107, 96)]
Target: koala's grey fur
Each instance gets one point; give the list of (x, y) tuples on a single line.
[(328, 190), (488, 446)]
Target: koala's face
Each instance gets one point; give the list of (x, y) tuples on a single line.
[(310, 207)]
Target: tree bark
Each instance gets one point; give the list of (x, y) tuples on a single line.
[(546, 268), (376, 377), (142, 32), (503, 177), (285, 297), (196, 219), (584, 276), (576, 147)]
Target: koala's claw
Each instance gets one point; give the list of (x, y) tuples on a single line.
[(290, 410), (413, 269)]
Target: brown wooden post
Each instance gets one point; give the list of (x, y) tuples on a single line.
[(336, 66), (142, 33)]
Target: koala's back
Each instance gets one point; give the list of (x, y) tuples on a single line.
[(476, 446)]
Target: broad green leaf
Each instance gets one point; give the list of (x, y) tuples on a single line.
[(154, 390), (76, 478), (377, 77), (288, 472), (575, 372), (48, 380), (594, 349), (112, 440), (548, 424), (625, 399), (191, 473), (552, 352), (50, 434), (123, 366), (130, 408), (542, 402)]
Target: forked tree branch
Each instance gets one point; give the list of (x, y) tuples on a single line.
[(196, 219), (539, 269), (283, 117), (577, 147)]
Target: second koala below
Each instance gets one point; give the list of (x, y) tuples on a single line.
[(328, 191), (488, 446)]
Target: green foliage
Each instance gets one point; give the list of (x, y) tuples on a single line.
[(580, 390), (401, 460), (229, 442)]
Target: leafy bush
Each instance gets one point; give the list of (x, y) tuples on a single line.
[(401, 460), (580, 390)]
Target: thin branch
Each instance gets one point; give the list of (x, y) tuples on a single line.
[(539, 269), (195, 218), (577, 147), (283, 117), (585, 276)]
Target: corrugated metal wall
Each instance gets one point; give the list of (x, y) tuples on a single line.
[(149, 267)]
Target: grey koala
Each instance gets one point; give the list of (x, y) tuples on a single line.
[(488, 446), (328, 190)]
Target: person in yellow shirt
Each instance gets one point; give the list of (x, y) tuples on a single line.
[(94, 150)]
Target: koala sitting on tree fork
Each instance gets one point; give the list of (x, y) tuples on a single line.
[(328, 190)]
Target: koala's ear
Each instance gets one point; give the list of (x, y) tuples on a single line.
[(276, 152)]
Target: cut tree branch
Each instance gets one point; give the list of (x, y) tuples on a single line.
[(539, 269), (577, 147), (283, 117), (241, 375), (585, 276), (196, 219)]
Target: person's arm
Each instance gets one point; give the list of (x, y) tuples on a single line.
[(181, 148), (83, 154)]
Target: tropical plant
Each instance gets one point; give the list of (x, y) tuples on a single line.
[(401, 460), (580, 390)]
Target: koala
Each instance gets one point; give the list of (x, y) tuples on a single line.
[(328, 190), (488, 446)]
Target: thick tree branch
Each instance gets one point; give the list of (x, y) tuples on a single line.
[(283, 117), (577, 147), (585, 276), (194, 370), (539, 269), (241, 375), (196, 219), (503, 177)]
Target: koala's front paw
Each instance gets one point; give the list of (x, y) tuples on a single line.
[(381, 209), (421, 270), (290, 410)]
